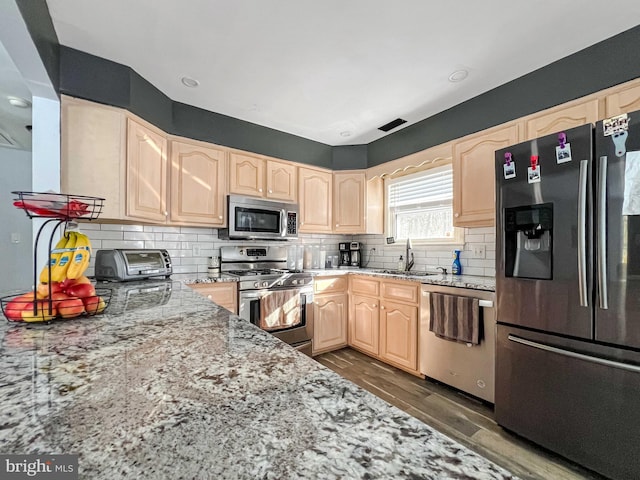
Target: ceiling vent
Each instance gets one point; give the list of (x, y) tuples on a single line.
[(391, 125)]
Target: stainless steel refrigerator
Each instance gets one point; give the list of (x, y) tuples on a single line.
[(568, 293)]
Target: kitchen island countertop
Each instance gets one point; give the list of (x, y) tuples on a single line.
[(184, 389)]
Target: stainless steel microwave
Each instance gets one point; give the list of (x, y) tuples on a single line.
[(256, 218)]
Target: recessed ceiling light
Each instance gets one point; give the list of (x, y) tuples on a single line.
[(458, 75), (346, 133), (19, 102), (189, 82)]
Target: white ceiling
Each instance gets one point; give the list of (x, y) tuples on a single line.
[(320, 68)]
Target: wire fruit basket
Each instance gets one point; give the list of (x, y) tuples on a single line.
[(71, 296)]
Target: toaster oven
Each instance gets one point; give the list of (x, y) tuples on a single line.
[(121, 265)]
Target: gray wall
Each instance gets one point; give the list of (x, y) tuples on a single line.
[(16, 259)]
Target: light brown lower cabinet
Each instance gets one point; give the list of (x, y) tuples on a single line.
[(330, 313), (383, 320), (224, 294), (399, 334), (329, 322), (364, 323)]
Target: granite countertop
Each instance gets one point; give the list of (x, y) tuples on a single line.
[(462, 281), (173, 386)]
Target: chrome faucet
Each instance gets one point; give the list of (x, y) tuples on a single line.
[(408, 256)]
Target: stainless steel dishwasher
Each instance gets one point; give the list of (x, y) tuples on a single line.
[(470, 368)]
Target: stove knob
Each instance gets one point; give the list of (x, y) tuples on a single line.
[(294, 282), (280, 282), (265, 284), (256, 285)]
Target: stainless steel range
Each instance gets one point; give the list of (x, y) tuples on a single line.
[(275, 299)]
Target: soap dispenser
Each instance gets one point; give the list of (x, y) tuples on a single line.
[(400, 264), (456, 267)]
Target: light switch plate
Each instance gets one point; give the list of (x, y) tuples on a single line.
[(15, 237), (479, 251)]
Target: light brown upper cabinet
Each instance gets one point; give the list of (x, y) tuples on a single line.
[(561, 118), (282, 181), (198, 183), (93, 153), (315, 191), (262, 177), (473, 175), (349, 202), (625, 100), (357, 203), (146, 172)]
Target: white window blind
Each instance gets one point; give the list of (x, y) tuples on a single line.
[(420, 205)]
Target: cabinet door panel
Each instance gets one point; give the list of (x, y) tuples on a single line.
[(329, 322), (197, 184), (246, 175), (399, 334), (315, 193), (146, 173), (473, 177), (562, 118), (624, 101), (93, 153), (282, 181), (364, 324), (348, 202)]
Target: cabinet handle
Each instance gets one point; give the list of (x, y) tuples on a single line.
[(374, 305), (337, 224), (209, 297), (260, 190), (270, 191), (166, 214), (381, 307), (456, 214), (220, 217)]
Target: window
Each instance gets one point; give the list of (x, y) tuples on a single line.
[(420, 206)]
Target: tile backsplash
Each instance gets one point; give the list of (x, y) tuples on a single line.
[(428, 257), (189, 247)]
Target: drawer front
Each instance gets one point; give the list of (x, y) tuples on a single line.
[(401, 291), (365, 286), (331, 284), (224, 294)]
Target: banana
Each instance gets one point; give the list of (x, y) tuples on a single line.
[(56, 253), (59, 272), (81, 256)]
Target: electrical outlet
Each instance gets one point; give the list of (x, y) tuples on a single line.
[(479, 251), (196, 250)]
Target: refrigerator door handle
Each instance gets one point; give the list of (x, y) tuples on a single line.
[(579, 356), (602, 234), (582, 234)]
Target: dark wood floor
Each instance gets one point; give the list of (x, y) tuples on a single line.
[(459, 416)]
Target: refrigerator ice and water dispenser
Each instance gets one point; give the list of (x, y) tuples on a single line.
[(529, 241)]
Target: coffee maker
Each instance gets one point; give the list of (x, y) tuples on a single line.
[(345, 255), (356, 256)]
